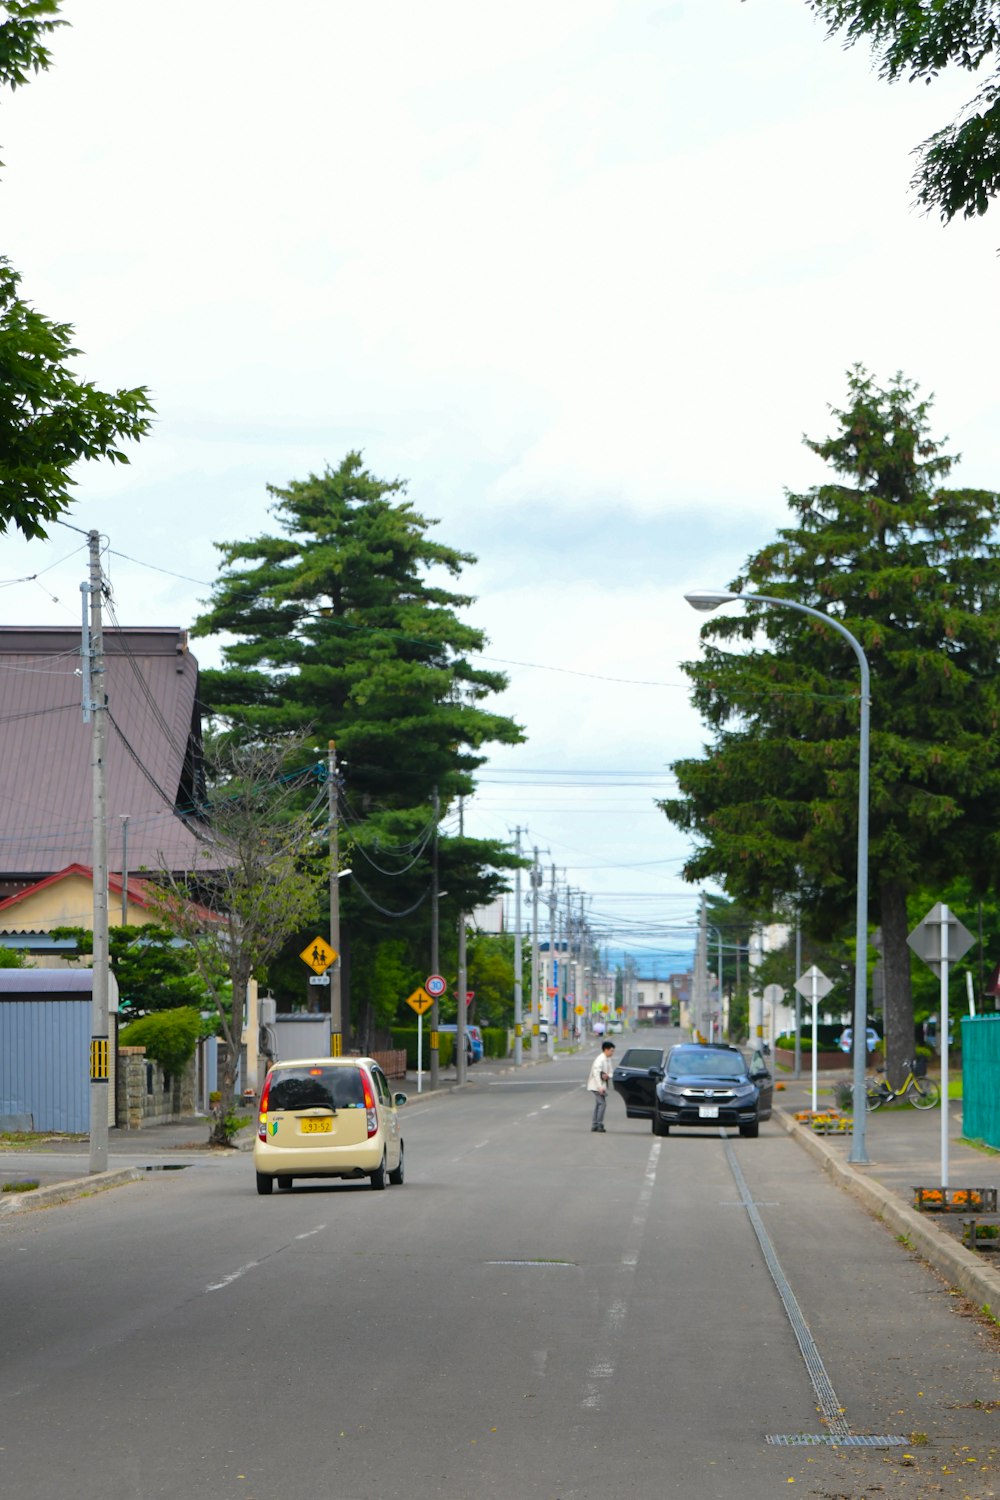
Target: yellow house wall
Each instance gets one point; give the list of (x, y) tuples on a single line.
[(67, 903)]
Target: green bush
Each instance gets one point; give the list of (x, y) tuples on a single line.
[(406, 1036), (494, 1041), (169, 1037), (787, 1044)]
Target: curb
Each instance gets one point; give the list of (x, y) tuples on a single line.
[(961, 1267), (63, 1192)]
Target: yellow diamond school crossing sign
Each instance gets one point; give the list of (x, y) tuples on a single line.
[(318, 955), (420, 1000)]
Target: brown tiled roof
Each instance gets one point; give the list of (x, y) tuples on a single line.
[(153, 751)]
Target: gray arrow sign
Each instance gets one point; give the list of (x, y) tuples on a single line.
[(925, 939), (813, 983)]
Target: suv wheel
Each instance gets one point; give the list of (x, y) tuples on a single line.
[(265, 1182), (751, 1130)]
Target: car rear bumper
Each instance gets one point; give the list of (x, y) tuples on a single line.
[(325, 1161)]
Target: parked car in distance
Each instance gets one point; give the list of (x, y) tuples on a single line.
[(846, 1041), (712, 1084), (473, 1040), (635, 1077), (328, 1117)]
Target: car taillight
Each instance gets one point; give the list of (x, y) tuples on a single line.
[(370, 1112), (262, 1115)]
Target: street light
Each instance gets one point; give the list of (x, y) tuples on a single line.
[(709, 599)]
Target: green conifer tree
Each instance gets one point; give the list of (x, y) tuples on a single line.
[(913, 571)]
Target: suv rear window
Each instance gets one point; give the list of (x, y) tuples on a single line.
[(312, 1088), (642, 1057)]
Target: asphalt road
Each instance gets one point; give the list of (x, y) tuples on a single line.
[(539, 1312)]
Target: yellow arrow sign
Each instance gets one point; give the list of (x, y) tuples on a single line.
[(318, 955), (420, 1000)]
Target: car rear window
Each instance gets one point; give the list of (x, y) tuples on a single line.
[(641, 1057), (319, 1087)]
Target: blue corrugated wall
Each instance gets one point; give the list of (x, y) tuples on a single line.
[(45, 1062), (981, 1078)]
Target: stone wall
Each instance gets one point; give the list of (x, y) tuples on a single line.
[(145, 1097)]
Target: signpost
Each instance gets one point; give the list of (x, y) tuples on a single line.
[(941, 939), (435, 986), (318, 955), (420, 1001), (814, 985)]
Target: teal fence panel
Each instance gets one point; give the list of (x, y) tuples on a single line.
[(981, 1078)]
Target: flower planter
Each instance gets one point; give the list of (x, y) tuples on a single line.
[(955, 1200)]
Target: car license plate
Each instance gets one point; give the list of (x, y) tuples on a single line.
[(317, 1127), (708, 1111)]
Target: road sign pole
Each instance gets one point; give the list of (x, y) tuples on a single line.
[(940, 940), (815, 1049), (420, 1053), (814, 986), (943, 1033)]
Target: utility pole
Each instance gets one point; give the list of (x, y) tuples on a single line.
[(555, 1010), (564, 949), (583, 988), (518, 957), (536, 880), (124, 818), (95, 705), (435, 1008), (463, 981), (336, 993)]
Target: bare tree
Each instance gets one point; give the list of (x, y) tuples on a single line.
[(259, 880)]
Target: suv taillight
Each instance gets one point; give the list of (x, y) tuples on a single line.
[(262, 1114), (371, 1113)]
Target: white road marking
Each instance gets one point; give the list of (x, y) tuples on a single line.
[(309, 1232), (616, 1313), (216, 1286)]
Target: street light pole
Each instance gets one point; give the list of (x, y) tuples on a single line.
[(708, 599)]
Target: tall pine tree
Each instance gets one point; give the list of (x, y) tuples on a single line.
[(913, 571), (341, 626)]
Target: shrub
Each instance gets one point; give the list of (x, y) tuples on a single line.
[(406, 1036), (494, 1041), (169, 1037)]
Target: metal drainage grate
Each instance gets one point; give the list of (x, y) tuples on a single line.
[(168, 1166), (811, 1440)]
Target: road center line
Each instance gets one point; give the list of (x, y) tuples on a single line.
[(616, 1312), (217, 1286)]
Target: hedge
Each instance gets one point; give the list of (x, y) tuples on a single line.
[(169, 1037)]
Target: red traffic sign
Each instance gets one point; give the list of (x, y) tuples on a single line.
[(470, 995), (435, 985)]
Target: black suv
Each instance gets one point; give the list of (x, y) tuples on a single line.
[(711, 1084)]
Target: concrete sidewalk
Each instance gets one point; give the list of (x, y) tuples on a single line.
[(904, 1150)]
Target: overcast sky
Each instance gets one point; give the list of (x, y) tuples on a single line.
[(581, 271)]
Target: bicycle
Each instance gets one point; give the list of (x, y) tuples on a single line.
[(922, 1093)]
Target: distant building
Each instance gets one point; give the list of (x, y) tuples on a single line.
[(654, 1000), (153, 754)]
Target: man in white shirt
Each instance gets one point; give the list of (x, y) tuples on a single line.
[(599, 1082)]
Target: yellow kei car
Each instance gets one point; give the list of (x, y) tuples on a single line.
[(328, 1117)]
